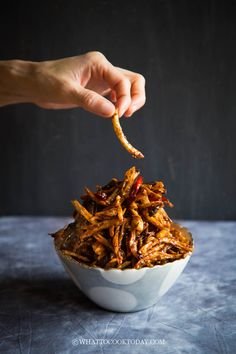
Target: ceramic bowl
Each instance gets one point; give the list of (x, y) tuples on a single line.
[(126, 290)]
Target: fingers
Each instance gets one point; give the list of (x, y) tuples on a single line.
[(138, 96), (113, 96), (83, 81), (128, 90), (120, 87), (123, 99), (95, 103)]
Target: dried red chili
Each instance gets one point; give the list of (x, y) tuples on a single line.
[(134, 190)]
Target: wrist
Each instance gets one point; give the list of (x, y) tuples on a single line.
[(17, 81)]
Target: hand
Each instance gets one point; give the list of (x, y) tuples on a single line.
[(84, 81)]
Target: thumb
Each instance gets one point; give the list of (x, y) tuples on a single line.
[(95, 103)]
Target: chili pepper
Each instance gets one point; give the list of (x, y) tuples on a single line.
[(134, 190), (166, 201)]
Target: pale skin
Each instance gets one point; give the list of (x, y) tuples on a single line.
[(87, 81)]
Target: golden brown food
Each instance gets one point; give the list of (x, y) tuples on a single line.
[(124, 142), (124, 225)]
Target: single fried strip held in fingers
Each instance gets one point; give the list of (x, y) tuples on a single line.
[(122, 138)]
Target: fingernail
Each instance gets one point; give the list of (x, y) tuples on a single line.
[(107, 109), (131, 110), (128, 115)]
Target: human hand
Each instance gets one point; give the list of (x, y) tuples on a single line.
[(84, 81)]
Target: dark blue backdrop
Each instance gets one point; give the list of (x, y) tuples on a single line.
[(185, 49)]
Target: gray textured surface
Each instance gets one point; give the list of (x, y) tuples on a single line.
[(41, 310), (186, 51)]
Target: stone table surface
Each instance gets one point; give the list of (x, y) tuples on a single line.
[(42, 311)]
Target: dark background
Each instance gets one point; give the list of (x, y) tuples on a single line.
[(187, 52)]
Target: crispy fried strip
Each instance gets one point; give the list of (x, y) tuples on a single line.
[(81, 210), (115, 242), (111, 231), (123, 140), (176, 244), (158, 187), (121, 235), (124, 265), (159, 256), (156, 248), (99, 249), (76, 255), (119, 208), (137, 221), (133, 244), (152, 220), (106, 224), (111, 262), (94, 198), (151, 204), (163, 233), (158, 219), (151, 242), (105, 214), (142, 197), (113, 195), (103, 240), (151, 193), (130, 177)]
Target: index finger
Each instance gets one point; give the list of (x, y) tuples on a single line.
[(121, 85), (138, 95)]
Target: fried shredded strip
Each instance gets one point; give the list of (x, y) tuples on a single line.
[(81, 210), (122, 138), (91, 229), (124, 225)]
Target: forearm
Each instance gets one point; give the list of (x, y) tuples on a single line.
[(17, 81)]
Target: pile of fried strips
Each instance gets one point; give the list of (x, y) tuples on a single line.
[(123, 225)]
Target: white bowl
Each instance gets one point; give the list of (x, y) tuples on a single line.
[(125, 290)]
